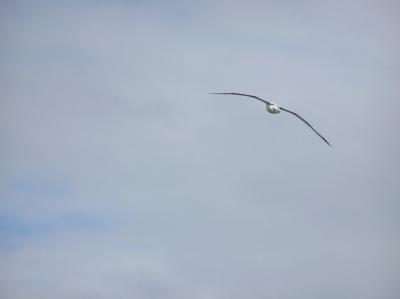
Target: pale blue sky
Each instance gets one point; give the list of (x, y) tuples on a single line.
[(122, 177)]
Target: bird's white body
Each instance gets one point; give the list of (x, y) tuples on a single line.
[(273, 108)]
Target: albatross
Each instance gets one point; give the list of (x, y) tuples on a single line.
[(274, 109)]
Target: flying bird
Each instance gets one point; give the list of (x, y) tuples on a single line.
[(274, 109)]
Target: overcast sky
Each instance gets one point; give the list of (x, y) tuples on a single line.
[(122, 177)]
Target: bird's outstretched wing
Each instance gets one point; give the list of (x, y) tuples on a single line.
[(307, 123), (242, 94)]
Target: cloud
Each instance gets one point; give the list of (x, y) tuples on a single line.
[(132, 181)]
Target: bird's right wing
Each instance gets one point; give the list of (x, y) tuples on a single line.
[(307, 123), (242, 94)]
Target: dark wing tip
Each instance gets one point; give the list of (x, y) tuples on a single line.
[(327, 142), (241, 94), (221, 93), (322, 137)]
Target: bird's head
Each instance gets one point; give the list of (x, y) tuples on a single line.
[(273, 108)]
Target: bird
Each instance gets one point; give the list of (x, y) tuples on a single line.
[(274, 109)]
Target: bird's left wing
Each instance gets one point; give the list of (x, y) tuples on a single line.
[(307, 123), (243, 95)]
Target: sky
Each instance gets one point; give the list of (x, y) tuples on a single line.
[(122, 177)]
